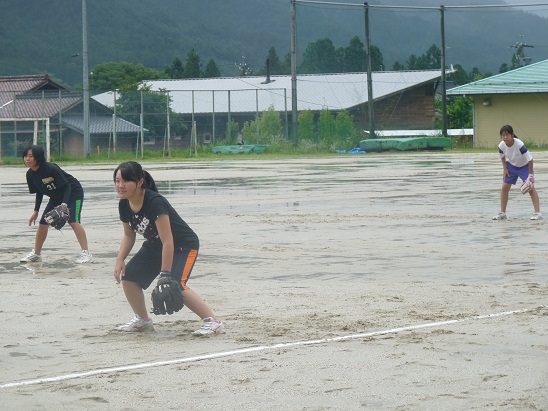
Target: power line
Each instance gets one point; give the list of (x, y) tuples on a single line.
[(378, 6)]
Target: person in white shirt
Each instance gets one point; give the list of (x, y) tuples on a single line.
[(517, 161)]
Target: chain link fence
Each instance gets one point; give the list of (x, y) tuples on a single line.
[(135, 121)]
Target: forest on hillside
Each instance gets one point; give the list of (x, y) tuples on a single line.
[(38, 38)]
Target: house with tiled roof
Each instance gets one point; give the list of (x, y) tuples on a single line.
[(518, 97), (37, 109)]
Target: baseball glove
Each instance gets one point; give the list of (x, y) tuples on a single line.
[(526, 186), (58, 217), (167, 297)]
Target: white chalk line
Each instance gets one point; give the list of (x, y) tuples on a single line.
[(259, 348)]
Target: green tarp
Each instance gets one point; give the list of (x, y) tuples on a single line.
[(240, 149), (405, 144)]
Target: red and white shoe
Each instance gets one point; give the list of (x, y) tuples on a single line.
[(210, 327), (137, 324)]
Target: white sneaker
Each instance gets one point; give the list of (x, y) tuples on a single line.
[(85, 257), (137, 324), (31, 257), (500, 216), (210, 327), (536, 216)]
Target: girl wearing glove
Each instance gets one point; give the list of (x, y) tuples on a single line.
[(517, 161), (49, 179), (170, 248)]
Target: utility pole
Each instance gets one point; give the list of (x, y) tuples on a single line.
[(85, 81), (294, 118), (370, 102), (443, 79)]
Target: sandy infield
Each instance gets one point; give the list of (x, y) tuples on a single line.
[(372, 282)]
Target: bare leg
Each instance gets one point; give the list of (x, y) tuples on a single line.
[(80, 235), (536, 202), (195, 304), (136, 298), (504, 196), (41, 235)]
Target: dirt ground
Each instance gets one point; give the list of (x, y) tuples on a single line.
[(366, 282)]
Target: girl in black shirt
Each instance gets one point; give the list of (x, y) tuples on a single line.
[(49, 179), (170, 248)]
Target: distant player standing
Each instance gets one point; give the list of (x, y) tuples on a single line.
[(517, 161)]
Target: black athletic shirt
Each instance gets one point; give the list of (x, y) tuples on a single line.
[(52, 181), (144, 221)]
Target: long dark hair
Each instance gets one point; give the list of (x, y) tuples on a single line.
[(37, 152), (133, 171), (507, 129)]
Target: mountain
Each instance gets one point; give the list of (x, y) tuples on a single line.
[(38, 37)]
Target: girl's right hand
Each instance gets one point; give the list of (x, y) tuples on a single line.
[(33, 217), (119, 270)]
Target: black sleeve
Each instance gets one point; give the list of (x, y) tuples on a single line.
[(66, 195), (122, 207), (38, 201)]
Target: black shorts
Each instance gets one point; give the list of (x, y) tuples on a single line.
[(75, 209), (146, 264)]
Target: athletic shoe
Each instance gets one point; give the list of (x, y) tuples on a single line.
[(85, 257), (536, 216), (210, 327), (137, 324), (31, 257), (500, 216)]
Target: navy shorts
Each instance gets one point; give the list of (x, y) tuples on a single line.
[(75, 209), (146, 264), (515, 172)]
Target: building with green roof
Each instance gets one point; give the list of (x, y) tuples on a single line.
[(518, 97)]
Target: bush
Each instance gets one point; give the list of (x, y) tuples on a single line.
[(306, 126), (270, 125), (345, 133)]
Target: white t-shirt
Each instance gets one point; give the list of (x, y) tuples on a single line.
[(517, 155)]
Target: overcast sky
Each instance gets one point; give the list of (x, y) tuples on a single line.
[(539, 10)]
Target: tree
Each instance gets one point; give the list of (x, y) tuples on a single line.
[(276, 65), (120, 76), (212, 70), (412, 62), (176, 70), (354, 57), (193, 66), (319, 57), (397, 66), (461, 76), (475, 74), (431, 60), (503, 68), (155, 105), (377, 63), (460, 112)]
